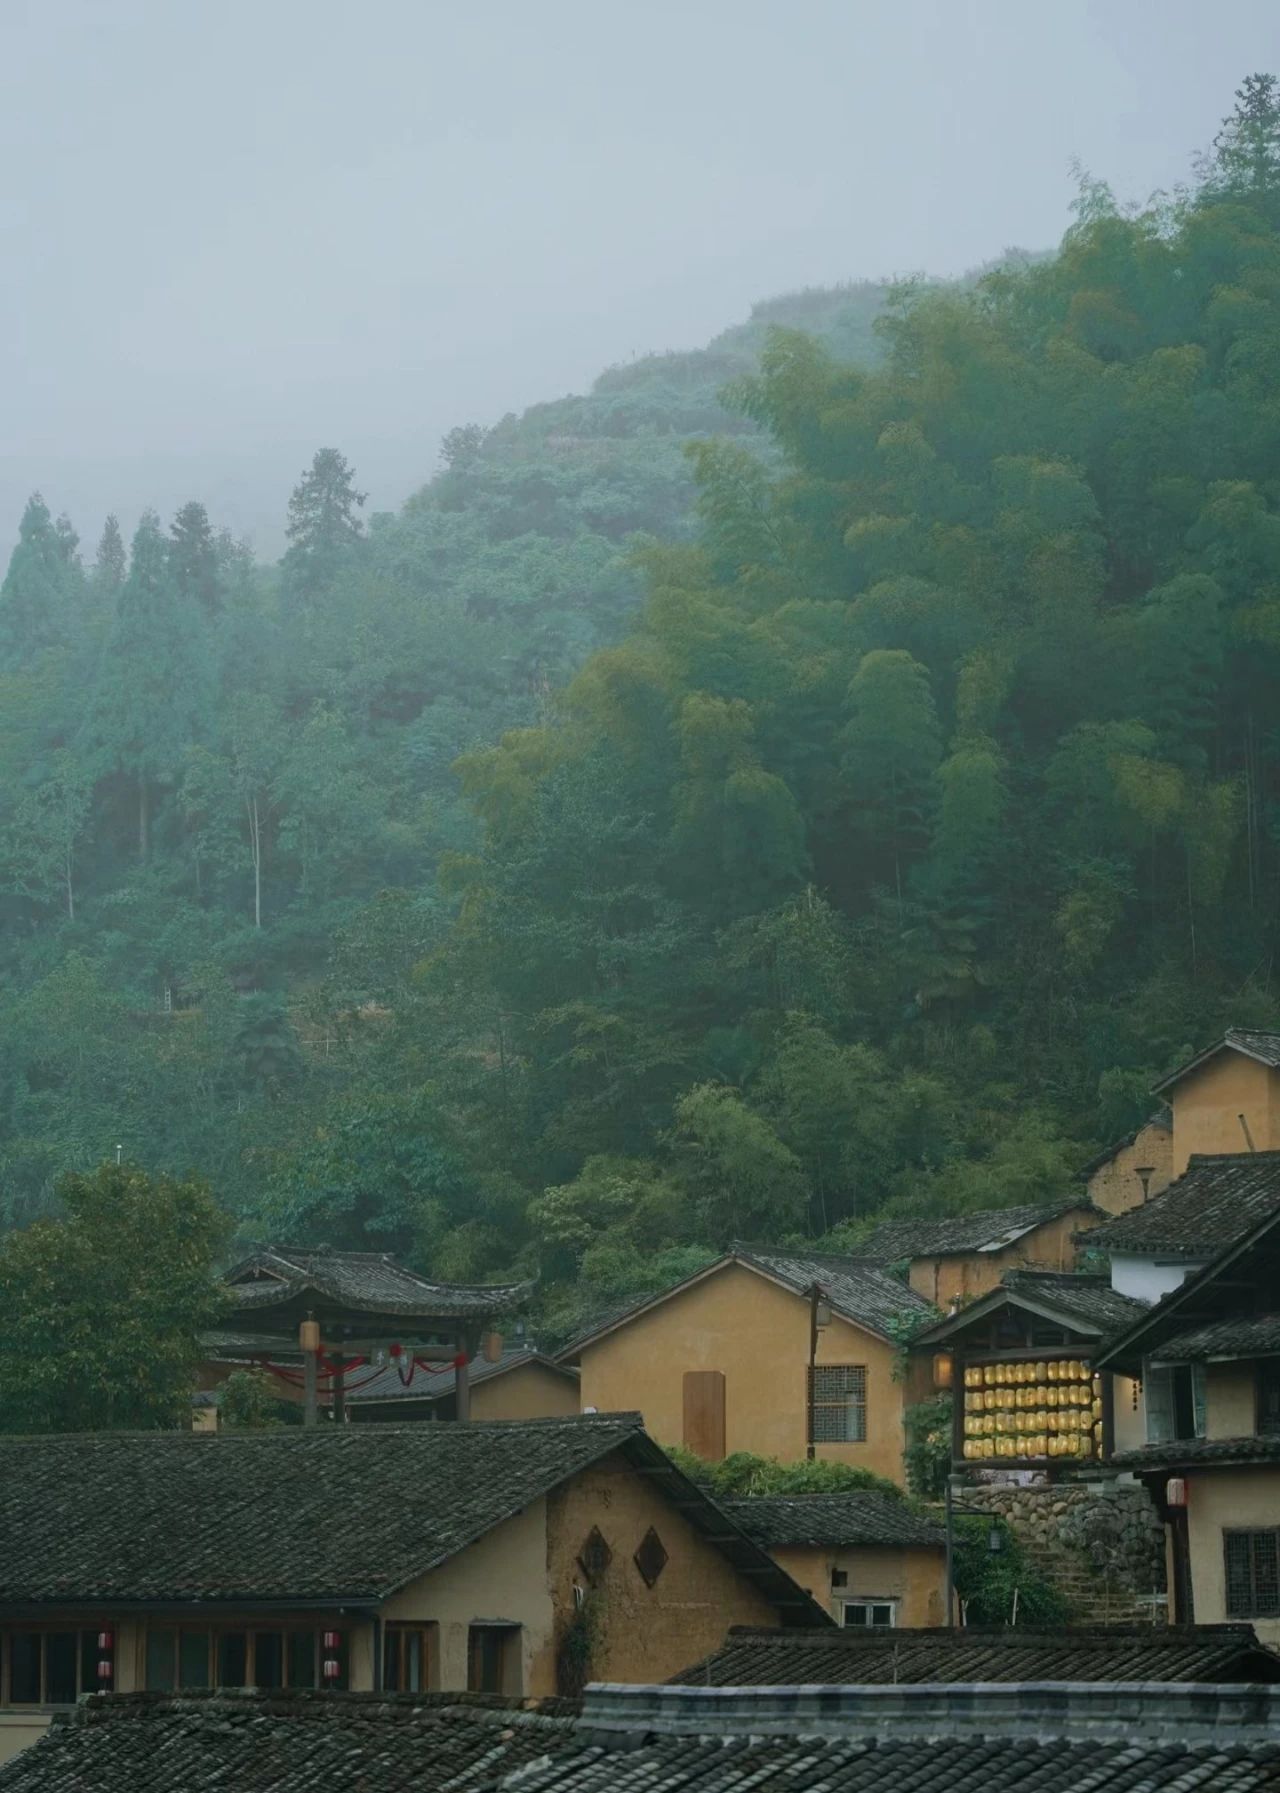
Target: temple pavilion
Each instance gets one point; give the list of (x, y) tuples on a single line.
[(320, 1321)]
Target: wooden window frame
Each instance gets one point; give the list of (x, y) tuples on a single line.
[(395, 1647), (1250, 1534), (44, 1631), (212, 1634), (512, 1665), (851, 1400)]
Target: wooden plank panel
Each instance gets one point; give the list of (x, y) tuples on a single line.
[(704, 1413)]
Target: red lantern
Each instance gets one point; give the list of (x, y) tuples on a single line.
[(331, 1670), (333, 1640), (395, 1350), (1175, 1491), (104, 1671), (105, 1642)]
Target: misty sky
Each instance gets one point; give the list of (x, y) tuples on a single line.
[(239, 229)]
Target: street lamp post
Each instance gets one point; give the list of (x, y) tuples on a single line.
[(995, 1540)]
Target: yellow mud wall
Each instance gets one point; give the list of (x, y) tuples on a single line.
[(18, 1730), (502, 1577), (963, 1276), (1116, 1185), (1208, 1103), (1227, 1499), (915, 1578), (530, 1392), (757, 1335), (642, 1633)]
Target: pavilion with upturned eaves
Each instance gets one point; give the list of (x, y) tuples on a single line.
[(320, 1320)]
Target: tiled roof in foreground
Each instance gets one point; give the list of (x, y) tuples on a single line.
[(1041, 1738), (863, 1516), (290, 1743), (754, 1657), (343, 1514), (1216, 1200)]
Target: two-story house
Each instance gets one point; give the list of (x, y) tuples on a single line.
[(786, 1354), (1209, 1358)]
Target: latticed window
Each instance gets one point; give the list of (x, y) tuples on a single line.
[(1253, 1574), (838, 1403)]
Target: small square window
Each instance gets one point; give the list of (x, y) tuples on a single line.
[(870, 1615), (838, 1403)]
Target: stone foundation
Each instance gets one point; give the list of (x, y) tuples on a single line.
[(1101, 1543)]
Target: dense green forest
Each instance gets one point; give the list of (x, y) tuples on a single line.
[(836, 770)]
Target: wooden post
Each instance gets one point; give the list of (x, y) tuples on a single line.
[(462, 1382), (309, 1404), (309, 1345)]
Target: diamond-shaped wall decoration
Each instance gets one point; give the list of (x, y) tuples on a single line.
[(651, 1558), (595, 1556)]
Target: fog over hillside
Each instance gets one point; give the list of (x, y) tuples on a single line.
[(230, 245)]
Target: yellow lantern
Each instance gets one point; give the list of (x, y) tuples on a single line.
[(1042, 1372), (942, 1370), (988, 1375), (1097, 1388), (1096, 1410)]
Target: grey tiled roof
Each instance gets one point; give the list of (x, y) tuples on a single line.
[(1215, 1201), (752, 1657), (294, 1743), (1257, 1335), (1088, 1300), (986, 1229), (436, 1385), (344, 1513), (366, 1280), (863, 1516), (967, 1740), (1255, 1042), (858, 1291), (1195, 1451)]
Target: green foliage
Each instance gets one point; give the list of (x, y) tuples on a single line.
[(987, 1581), (624, 849), (744, 1474), (926, 1455), (101, 1310), (248, 1401)]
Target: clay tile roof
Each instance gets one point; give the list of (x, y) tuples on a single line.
[(348, 1514), (753, 1657), (1215, 1201), (1089, 1301), (1054, 1738), (863, 1516), (1257, 1335), (858, 1291), (1195, 1451), (367, 1280), (986, 1229), (1254, 1042), (288, 1743)]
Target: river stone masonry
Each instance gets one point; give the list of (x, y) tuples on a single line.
[(1101, 1543)]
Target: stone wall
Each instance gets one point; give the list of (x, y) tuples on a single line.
[(1101, 1543)]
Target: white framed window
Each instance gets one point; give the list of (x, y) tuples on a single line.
[(869, 1615)]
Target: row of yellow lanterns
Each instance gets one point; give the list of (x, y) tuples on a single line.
[(1073, 1419), (1056, 1369), (1034, 1394), (1078, 1445)]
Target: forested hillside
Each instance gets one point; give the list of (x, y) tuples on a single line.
[(212, 772), (924, 811)]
